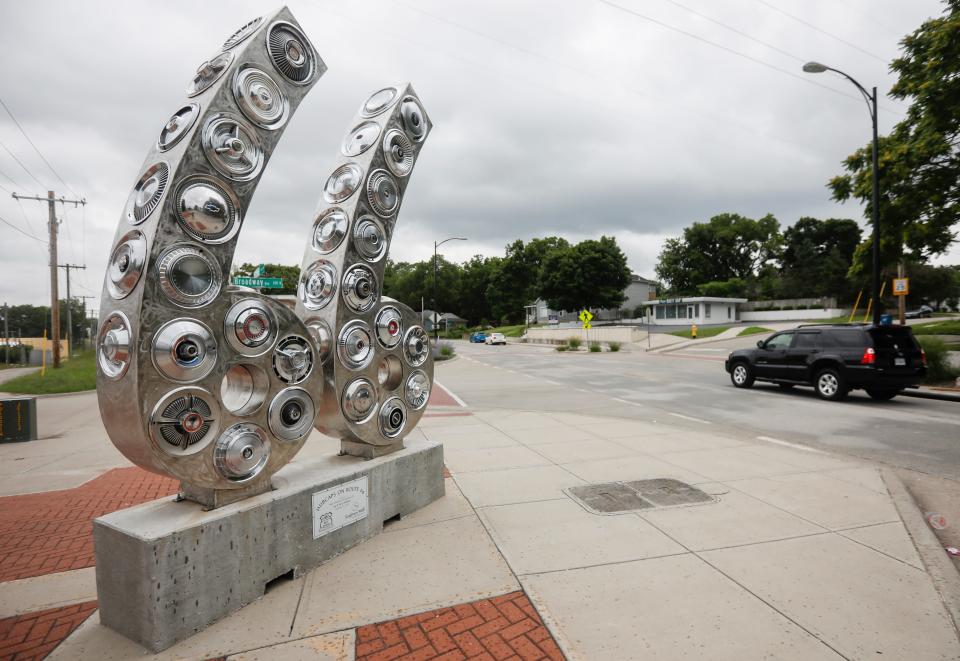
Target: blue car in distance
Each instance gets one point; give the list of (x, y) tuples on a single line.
[(478, 337)]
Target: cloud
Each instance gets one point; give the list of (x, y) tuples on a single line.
[(572, 119)]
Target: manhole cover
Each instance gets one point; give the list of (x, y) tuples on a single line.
[(614, 497), (666, 492), (609, 497)]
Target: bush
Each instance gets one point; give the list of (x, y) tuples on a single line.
[(938, 367), (614, 346), (563, 347), (574, 343), (444, 351), (595, 347)]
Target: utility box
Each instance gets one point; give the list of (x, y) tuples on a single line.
[(18, 419)]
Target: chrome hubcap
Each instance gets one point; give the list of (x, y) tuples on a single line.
[(828, 384), (739, 373)]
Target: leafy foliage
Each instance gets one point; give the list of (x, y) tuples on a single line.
[(727, 246), (920, 159), (591, 274), (816, 257)]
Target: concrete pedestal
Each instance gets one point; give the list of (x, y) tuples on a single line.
[(168, 569)]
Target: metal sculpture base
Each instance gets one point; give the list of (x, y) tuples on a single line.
[(168, 569), (366, 450), (211, 499)]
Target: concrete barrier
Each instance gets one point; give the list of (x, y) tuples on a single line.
[(791, 315), (622, 334)]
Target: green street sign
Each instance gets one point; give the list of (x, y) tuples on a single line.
[(259, 283), (260, 271)]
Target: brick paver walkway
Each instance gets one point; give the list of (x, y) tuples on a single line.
[(44, 533), (33, 636), (505, 628)]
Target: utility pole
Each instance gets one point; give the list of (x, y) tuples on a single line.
[(6, 330), (67, 267), (86, 314), (51, 199)]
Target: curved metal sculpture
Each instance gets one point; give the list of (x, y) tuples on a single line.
[(218, 385), (376, 357)]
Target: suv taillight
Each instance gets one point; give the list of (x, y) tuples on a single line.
[(923, 356), (869, 356)]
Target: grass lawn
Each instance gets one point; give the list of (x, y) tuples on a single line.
[(948, 327), (702, 332), (510, 331), (753, 330), (78, 373)]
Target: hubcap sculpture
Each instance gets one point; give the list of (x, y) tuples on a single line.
[(217, 385)]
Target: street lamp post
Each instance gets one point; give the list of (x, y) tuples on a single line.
[(436, 329), (871, 99)]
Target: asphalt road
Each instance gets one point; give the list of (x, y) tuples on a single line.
[(692, 387)]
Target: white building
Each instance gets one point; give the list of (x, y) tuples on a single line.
[(700, 310)]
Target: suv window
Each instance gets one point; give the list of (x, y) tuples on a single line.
[(889, 338), (806, 341), (844, 337), (781, 341)]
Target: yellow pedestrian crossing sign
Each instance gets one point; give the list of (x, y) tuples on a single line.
[(585, 317)]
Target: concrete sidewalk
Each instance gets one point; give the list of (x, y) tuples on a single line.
[(797, 555)]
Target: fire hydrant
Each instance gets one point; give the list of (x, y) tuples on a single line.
[(693, 331)]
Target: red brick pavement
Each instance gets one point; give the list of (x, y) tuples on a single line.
[(440, 396), (50, 532), (33, 636), (505, 628)]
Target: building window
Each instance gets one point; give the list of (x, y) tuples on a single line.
[(706, 310), (659, 312), (728, 312), (682, 311), (671, 311), (696, 309)]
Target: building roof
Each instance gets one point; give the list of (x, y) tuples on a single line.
[(635, 277), (694, 299)]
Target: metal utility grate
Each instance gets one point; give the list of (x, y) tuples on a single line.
[(614, 497)]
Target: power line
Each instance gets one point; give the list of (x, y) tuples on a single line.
[(7, 222), (733, 29), (822, 31), (10, 179), (733, 51), (25, 169), (584, 72), (36, 149)]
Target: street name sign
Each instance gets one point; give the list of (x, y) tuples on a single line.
[(260, 283)]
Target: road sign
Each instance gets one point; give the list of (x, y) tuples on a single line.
[(259, 283), (260, 271), (585, 317), (901, 286)]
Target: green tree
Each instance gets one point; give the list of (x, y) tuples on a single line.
[(727, 246), (816, 257), (476, 275), (920, 159), (592, 274), (932, 284)]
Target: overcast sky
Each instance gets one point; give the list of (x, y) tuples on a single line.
[(572, 118)]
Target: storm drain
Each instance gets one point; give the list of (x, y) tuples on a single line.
[(613, 497)]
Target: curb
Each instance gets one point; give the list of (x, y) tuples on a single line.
[(939, 567), (929, 394), (47, 395)]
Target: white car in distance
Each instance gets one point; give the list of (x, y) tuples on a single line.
[(495, 338)]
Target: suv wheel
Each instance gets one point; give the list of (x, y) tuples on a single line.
[(882, 395), (830, 385), (741, 375)]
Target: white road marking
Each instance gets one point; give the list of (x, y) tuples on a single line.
[(795, 446), (690, 417), (451, 393), (552, 382), (623, 401)]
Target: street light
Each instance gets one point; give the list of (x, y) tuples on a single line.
[(871, 99), (436, 329)]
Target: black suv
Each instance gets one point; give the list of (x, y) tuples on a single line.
[(834, 359)]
